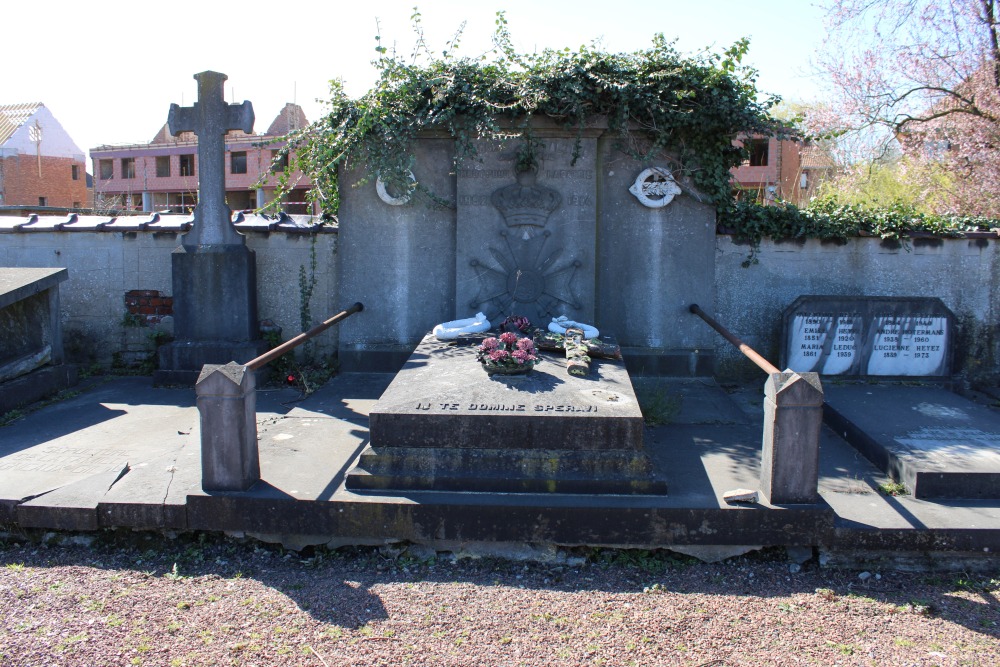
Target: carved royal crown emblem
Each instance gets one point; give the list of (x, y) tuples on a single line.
[(525, 202)]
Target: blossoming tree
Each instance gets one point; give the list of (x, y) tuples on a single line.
[(923, 75)]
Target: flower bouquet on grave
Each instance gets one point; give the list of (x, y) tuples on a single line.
[(507, 355), (518, 324)]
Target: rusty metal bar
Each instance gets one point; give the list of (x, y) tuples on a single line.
[(288, 345), (751, 354)]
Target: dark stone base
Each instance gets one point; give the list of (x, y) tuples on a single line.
[(504, 471), (643, 361), (215, 293), (443, 424), (636, 522), (374, 359), (36, 385), (181, 361)]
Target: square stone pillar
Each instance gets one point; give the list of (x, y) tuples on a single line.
[(215, 311), (793, 415), (227, 402)]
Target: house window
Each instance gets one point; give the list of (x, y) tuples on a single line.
[(238, 162), (76, 204), (107, 169), (76, 172), (128, 167), (187, 165), (279, 162), (42, 201), (758, 152), (163, 166)]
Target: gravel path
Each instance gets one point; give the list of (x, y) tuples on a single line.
[(232, 603)]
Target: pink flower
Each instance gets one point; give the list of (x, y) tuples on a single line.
[(489, 344), (522, 357), (508, 338), (526, 345), (499, 355), (516, 322)]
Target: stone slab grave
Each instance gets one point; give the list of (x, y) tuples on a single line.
[(921, 436), (31, 347), (936, 443), (443, 424), (868, 336)]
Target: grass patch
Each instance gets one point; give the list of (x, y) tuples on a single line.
[(659, 407), (892, 488)]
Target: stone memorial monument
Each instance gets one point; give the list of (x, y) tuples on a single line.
[(214, 273), (581, 229)]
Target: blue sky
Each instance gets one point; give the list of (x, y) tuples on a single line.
[(109, 70)]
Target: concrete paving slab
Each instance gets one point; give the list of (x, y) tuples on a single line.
[(690, 400), (935, 442), (113, 421), (108, 424), (153, 494), (72, 506), (306, 446)]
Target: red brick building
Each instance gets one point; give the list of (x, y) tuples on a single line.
[(40, 166), (770, 172), (163, 174), (782, 170)]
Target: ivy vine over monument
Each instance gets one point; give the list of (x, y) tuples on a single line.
[(658, 103)]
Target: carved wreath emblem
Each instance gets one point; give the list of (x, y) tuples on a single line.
[(655, 187), (388, 198)]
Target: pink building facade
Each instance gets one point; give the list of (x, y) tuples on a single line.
[(163, 174)]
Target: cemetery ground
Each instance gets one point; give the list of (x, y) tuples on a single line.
[(85, 579), (141, 599)]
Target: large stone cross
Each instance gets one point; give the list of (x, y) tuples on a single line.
[(210, 118)]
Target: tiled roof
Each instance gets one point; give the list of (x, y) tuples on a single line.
[(814, 157), (289, 119), (13, 116), (164, 136)]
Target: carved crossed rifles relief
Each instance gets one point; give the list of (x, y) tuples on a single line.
[(525, 273)]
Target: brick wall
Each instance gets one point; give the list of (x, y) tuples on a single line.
[(22, 185), (149, 305)]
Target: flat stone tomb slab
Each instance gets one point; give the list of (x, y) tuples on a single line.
[(443, 424), (938, 444)]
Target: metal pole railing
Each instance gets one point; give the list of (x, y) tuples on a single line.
[(751, 354), (288, 345)]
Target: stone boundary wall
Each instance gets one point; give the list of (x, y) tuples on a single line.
[(111, 260), (963, 272), (106, 264)]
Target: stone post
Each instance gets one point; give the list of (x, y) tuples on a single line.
[(793, 415), (227, 402)]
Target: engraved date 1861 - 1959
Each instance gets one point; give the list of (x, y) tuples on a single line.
[(504, 407)]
